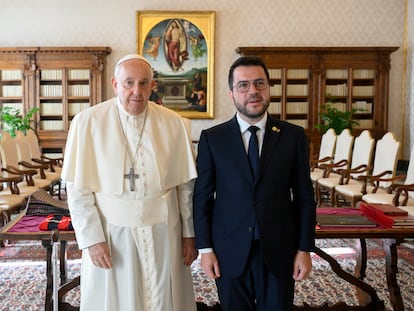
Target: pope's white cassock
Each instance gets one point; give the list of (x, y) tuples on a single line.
[(144, 227)]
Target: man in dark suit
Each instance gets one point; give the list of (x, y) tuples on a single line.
[(254, 208)]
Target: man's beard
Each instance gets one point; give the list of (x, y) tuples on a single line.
[(244, 110)]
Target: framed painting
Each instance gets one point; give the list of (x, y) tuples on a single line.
[(180, 47)]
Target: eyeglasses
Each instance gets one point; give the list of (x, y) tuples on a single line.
[(243, 86)]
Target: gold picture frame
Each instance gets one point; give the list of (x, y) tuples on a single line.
[(180, 47)]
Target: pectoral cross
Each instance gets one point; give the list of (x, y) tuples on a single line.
[(131, 176)]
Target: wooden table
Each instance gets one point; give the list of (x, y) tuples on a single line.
[(391, 238), (367, 295), (48, 238)]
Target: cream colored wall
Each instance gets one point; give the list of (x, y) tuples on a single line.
[(238, 23)]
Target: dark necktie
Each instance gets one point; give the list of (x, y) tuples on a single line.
[(253, 150), (253, 155)]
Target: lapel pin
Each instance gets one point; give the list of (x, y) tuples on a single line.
[(275, 129)]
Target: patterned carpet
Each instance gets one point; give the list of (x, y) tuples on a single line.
[(22, 283)]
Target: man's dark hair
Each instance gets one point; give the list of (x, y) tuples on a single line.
[(246, 61)]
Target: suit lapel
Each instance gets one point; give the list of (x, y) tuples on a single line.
[(270, 141)]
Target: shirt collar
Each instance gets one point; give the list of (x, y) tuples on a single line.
[(244, 125)]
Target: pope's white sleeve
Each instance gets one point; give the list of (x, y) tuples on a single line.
[(185, 204), (84, 215)]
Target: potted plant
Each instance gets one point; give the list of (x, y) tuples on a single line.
[(339, 120), (12, 120)]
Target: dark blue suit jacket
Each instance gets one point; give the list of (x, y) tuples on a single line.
[(227, 199)]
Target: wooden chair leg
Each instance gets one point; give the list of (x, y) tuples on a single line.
[(317, 194), (336, 198), (332, 197), (2, 223)]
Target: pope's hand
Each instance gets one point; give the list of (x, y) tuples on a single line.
[(190, 252), (100, 255)]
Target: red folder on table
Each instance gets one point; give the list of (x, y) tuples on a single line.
[(387, 215)]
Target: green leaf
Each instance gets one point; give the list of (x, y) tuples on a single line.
[(331, 117), (12, 120)]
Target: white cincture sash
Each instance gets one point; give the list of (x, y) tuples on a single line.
[(134, 213)]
